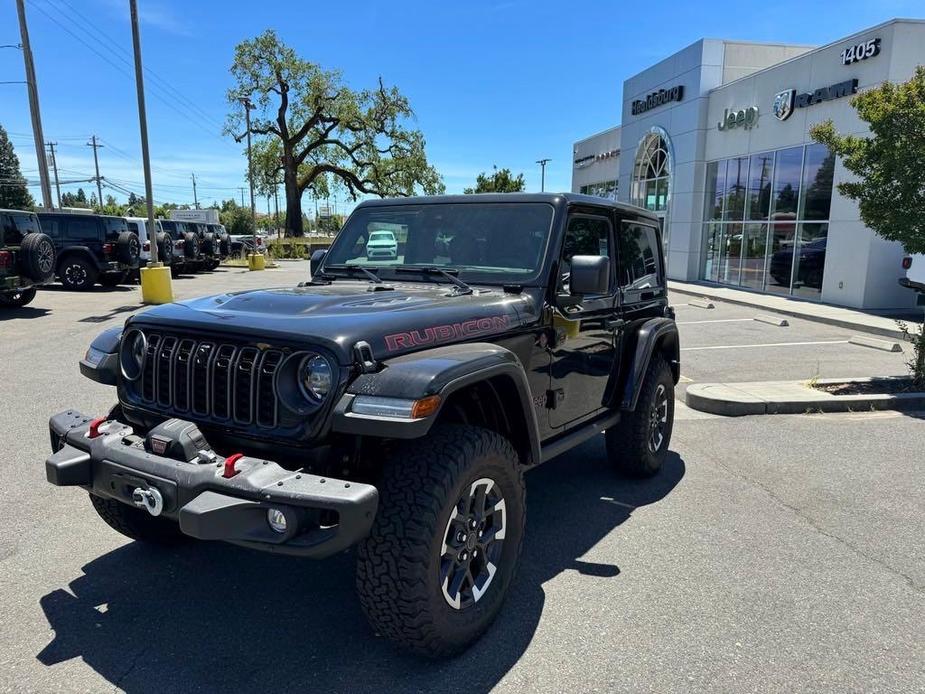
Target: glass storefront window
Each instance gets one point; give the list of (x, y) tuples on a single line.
[(786, 190), (759, 185), (818, 167), (791, 189), (810, 260), (716, 182), (736, 182), (754, 247)]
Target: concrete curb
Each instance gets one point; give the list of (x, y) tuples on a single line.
[(827, 320), (701, 303), (791, 397), (772, 320)]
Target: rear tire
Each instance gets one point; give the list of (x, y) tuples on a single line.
[(638, 444), (435, 570), (136, 523), (18, 299), (77, 274)]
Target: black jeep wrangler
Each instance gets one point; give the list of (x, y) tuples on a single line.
[(392, 404), (91, 248), (27, 257)]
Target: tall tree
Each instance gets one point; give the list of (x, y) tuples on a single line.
[(324, 128), (501, 181), (14, 194), (889, 163)]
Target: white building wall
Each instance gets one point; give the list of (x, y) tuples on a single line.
[(604, 167)]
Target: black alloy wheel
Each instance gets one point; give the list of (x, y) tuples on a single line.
[(472, 545)]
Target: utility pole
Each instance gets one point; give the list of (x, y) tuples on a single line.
[(250, 165), (542, 163), (241, 188), (96, 162), (33, 88), (54, 166), (195, 201), (276, 209), (156, 277)]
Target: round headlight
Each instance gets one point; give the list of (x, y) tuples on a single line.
[(315, 377), (132, 354)]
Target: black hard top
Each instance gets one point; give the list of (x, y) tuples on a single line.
[(555, 199)]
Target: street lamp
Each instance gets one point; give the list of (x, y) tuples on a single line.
[(542, 163)]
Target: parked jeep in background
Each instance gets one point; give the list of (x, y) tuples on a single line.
[(224, 240), (91, 248), (27, 257), (394, 404), (187, 246), (165, 244)]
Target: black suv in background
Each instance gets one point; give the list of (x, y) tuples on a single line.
[(27, 257), (91, 248), (188, 255)]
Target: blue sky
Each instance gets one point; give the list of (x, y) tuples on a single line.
[(504, 82)]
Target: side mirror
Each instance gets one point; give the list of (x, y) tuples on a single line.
[(315, 261), (590, 274)]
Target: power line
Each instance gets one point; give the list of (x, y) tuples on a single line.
[(165, 100)]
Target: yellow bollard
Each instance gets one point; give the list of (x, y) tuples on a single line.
[(156, 286), (256, 261)]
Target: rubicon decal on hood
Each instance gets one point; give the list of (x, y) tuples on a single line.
[(445, 333)]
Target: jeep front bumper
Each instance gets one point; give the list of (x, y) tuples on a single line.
[(324, 515)]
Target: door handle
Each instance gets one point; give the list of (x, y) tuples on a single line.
[(614, 324)]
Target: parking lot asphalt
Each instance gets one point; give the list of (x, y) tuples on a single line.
[(771, 553)]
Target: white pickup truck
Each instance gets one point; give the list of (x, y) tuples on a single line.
[(914, 265)]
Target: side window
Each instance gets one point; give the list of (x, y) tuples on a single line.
[(639, 260), (22, 224), (6, 229), (585, 235), (82, 230), (133, 226), (52, 227)]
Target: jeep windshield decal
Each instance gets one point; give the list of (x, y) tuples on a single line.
[(449, 332), (478, 241)]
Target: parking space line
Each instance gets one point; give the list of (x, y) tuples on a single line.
[(767, 344), (715, 320)]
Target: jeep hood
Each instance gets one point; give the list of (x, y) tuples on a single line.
[(406, 318)]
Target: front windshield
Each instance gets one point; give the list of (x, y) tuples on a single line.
[(486, 241)]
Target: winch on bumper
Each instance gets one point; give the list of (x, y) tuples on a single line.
[(173, 472)]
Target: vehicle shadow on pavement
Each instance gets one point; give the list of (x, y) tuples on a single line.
[(209, 615), (22, 312)]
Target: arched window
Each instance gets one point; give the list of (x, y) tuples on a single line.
[(651, 173)]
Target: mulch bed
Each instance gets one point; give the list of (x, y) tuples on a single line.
[(877, 386)]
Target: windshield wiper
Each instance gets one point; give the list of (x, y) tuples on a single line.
[(463, 287), (373, 277)]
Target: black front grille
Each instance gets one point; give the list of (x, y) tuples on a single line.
[(216, 380)]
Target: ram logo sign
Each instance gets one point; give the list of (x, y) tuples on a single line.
[(783, 104), (786, 101)]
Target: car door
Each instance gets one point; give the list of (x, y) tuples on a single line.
[(583, 346)]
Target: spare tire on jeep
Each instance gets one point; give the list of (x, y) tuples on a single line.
[(224, 245), (190, 245), (164, 248), (128, 248), (37, 257), (208, 243)]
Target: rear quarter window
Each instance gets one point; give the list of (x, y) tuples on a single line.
[(640, 265)]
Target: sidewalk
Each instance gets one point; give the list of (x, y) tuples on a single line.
[(880, 323)]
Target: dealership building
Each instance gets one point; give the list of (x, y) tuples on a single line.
[(715, 140)]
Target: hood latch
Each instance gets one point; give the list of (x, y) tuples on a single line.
[(363, 356)]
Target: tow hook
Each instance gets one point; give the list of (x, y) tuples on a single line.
[(149, 499)]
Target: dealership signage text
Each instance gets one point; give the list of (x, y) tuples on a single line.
[(787, 100), (659, 98), (743, 118)]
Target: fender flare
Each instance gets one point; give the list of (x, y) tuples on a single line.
[(439, 371), (659, 334)]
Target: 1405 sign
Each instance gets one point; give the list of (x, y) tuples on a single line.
[(861, 51)]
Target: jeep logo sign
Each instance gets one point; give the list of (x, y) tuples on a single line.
[(659, 98), (786, 101), (746, 118)]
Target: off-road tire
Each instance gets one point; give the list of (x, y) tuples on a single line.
[(128, 248), (77, 274), (164, 248), (399, 564), (629, 443), (190, 245), (207, 243), (37, 257), (18, 299), (136, 523)]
